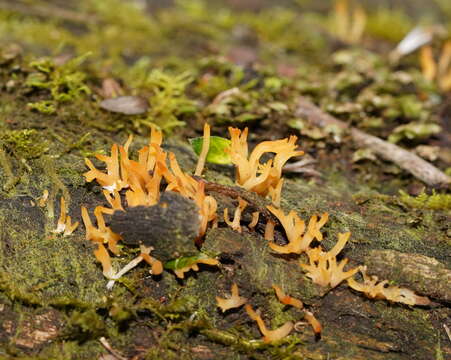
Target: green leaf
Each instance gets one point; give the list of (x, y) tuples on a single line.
[(217, 153), (183, 262)]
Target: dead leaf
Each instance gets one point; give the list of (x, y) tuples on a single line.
[(128, 105)]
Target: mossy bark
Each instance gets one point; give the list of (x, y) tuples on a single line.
[(54, 303)]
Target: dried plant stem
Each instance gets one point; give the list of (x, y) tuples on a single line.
[(406, 160), (43, 10)]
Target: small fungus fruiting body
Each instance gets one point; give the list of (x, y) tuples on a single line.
[(233, 301), (64, 225), (323, 268), (43, 199), (314, 323), (269, 336), (204, 152), (254, 222), (250, 173), (286, 299), (380, 290), (103, 257), (235, 223), (182, 265), (298, 241), (349, 22)]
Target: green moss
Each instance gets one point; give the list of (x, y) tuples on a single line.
[(174, 58), (43, 268), (168, 102), (44, 107), (85, 324), (70, 349), (65, 82), (424, 201), (24, 144)]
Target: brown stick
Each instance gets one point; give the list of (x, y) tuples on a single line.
[(47, 11), (418, 167)]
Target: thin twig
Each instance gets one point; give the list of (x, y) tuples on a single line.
[(108, 347), (448, 332), (406, 160), (47, 11)]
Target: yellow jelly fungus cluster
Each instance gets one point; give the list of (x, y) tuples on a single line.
[(298, 238), (252, 175), (231, 302), (380, 290), (323, 268), (142, 181), (235, 223)]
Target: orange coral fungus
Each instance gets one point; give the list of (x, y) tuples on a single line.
[(156, 265), (323, 268), (43, 199), (298, 242), (275, 193), (349, 22), (269, 335), (103, 257), (286, 299), (269, 230), (207, 208), (111, 180), (64, 224), (254, 222), (145, 192), (204, 151), (102, 233), (143, 178), (235, 224), (117, 175), (189, 187), (314, 323), (250, 173), (233, 301), (374, 290)]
